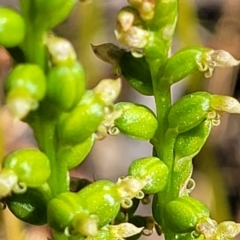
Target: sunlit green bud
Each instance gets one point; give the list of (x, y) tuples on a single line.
[(61, 50), (151, 169), (30, 77), (62, 209), (182, 64), (31, 166), (100, 199), (189, 111), (184, 213), (12, 27), (108, 90), (54, 11), (66, 85), (136, 121), (79, 124)]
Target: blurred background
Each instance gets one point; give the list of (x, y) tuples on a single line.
[(214, 24)]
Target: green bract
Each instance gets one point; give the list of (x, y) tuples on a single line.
[(189, 111), (136, 121), (136, 72), (79, 124), (30, 165), (28, 76), (66, 85), (12, 27), (102, 200), (74, 155), (29, 206), (190, 143), (183, 214), (151, 169)]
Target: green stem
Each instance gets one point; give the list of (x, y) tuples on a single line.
[(162, 95), (33, 45), (44, 130)]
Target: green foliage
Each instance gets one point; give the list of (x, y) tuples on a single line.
[(47, 90)]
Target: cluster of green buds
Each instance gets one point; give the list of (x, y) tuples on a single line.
[(177, 131), (88, 212), (46, 88)]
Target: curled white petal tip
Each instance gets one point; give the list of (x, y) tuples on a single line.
[(108, 90), (124, 230), (223, 59), (225, 104)]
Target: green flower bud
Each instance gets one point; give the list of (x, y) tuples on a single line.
[(190, 143), (56, 11), (137, 73), (62, 209), (189, 111), (136, 121), (182, 64), (30, 165), (12, 27), (79, 124), (183, 214), (30, 206), (74, 155), (66, 85), (151, 169), (28, 76), (102, 200)]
